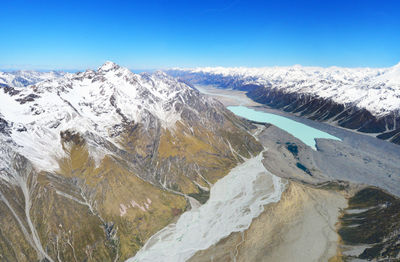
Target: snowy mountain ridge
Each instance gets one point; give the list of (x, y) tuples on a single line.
[(374, 89), (92, 101)]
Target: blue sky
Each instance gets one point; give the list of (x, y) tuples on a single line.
[(158, 34)]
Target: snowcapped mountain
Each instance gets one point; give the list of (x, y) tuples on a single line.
[(92, 101), (364, 99), (115, 155), (26, 77)]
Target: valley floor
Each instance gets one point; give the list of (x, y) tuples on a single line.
[(300, 227)]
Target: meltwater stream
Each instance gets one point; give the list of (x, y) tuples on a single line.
[(235, 200)]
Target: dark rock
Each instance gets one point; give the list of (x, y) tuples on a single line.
[(28, 98)]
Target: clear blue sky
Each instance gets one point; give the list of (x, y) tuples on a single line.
[(158, 34)]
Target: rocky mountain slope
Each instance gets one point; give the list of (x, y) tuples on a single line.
[(94, 163), (362, 99)]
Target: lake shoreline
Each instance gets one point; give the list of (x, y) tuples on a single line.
[(303, 132)]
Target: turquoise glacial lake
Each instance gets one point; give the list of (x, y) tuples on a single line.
[(303, 132)]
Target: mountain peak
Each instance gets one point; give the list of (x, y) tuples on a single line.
[(108, 65)]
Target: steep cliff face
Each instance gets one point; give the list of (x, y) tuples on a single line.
[(363, 99), (94, 163)]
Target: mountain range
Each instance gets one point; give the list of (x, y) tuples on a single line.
[(365, 100)]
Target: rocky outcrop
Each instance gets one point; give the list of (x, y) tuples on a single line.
[(370, 226)]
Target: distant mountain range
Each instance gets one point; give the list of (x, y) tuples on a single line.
[(362, 99), (26, 77)]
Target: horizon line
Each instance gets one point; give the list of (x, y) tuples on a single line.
[(143, 69)]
